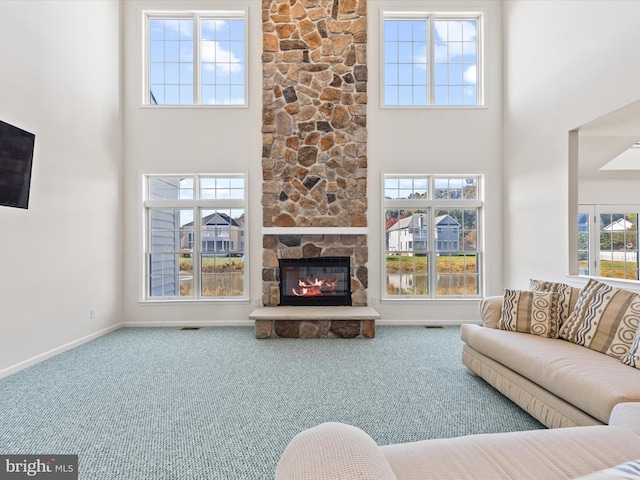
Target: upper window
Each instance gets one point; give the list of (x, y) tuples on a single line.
[(431, 229), (195, 237), (195, 58), (431, 59)]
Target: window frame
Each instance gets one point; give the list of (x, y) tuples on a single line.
[(430, 205), (197, 16), (430, 16), (197, 205), (593, 211)]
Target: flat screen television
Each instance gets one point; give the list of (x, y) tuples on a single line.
[(16, 157)]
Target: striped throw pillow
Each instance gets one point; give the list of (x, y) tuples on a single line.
[(633, 357), (568, 295), (605, 319), (530, 312)]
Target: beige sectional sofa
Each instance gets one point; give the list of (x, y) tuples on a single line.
[(558, 382), (335, 451)]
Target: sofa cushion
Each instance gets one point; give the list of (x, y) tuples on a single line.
[(589, 380), (330, 451), (633, 357), (530, 312), (625, 471), (605, 319), (560, 453), (491, 310), (568, 295)]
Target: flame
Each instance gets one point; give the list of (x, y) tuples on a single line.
[(314, 288)]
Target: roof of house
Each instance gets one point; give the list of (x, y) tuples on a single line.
[(619, 225), (413, 219), (218, 218)]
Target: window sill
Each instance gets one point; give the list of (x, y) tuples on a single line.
[(425, 300), (434, 107), (181, 302), (190, 107), (581, 281)]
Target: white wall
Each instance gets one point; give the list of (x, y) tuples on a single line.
[(609, 191), (440, 141), (189, 140), (173, 140), (567, 62), (62, 256)]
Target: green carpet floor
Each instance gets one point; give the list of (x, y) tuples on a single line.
[(215, 403)]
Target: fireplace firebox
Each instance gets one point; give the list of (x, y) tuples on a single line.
[(315, 281)]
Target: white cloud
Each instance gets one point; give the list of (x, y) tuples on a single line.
[(440, 53), (213, 53), (420, 60), (182, 28), (455, 31), (452, 31), (471, 74)]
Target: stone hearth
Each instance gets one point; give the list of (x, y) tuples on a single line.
[(315, 322)]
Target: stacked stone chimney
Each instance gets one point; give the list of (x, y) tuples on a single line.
[(314, 156)]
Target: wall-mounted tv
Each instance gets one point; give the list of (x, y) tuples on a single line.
[(16, 157)]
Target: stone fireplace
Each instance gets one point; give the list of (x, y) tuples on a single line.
[(282, 247), (314, 134), (317, 281)]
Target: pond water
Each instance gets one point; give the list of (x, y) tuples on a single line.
[(418, 284)]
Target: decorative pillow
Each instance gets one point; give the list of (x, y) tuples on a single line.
[(605, 319), (530, 312), (633, 357), (568, 295)]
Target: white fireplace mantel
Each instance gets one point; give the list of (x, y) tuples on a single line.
[(315, 230)]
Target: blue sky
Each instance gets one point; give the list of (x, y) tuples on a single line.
[(222, 61), (406, 55)]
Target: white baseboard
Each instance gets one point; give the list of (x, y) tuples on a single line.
[(52, 353), (199, 323), (426, 323)]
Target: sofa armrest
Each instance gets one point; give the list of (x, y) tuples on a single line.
[(491, 310), (626, 415), (333, 451)]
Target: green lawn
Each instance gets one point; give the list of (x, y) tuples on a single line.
[(418, 264), (611, 269), (214, 264)]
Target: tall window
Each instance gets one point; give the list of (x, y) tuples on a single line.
[(608, 241), (195, 237), (431, 231), (195, 58), (431, 59)]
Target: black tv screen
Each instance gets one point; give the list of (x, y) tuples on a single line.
[(16, 157)]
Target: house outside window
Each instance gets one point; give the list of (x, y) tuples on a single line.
[(608, 241), (195, 58), (432, 227), (193, 230), (431, 59)]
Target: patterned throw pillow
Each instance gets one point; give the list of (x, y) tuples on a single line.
[(633, 357), (605, 319), (568, 295), (624, 471), (530, 312)]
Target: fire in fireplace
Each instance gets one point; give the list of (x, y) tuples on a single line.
[(315, 281)]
